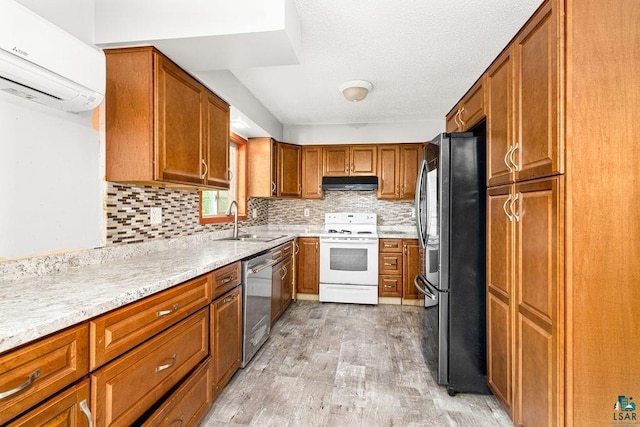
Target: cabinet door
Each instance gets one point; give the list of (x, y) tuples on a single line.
[(277, 277), (452, 124), (311, 172), (178, 125), (410, 160), (216, 142), (388, 172), (472, 110), (68, 408), (411, 268), (289, 160), (499, 90), (308, 265), (363, 160), (262, 157), (499, 295), (287, 284), (226, 343), (539, 286), (336, 160), (539, 150)]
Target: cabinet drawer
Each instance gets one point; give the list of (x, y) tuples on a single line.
[(391, 245), (127, 387), (390, 264), (282, 252), (226, 278), (121, 330), (33, 373), (188, 404), (69, 408), (390, 286)]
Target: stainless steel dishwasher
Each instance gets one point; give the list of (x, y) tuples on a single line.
[(256, 310)]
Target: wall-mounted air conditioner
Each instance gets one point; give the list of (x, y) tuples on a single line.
[(42, 63)]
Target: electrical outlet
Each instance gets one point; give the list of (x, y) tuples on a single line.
[(413, 212), (306, 211), (254, 213), (155, 216)]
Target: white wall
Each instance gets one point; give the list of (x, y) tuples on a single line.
[(50, 162), (363, 132)]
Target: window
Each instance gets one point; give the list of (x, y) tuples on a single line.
[(214, 204)]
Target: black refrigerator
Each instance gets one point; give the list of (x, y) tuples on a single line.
[(450, 213)]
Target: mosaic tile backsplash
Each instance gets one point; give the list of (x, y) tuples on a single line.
[(128, 212), (288, 211)]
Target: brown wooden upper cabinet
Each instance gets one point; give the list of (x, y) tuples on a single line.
[(349, 160), (274, 168), (289, 176), (469, 111), (523, 99), (162, 125), (398, 170), (312, 172)]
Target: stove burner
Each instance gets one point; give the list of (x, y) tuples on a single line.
[(345, 231), (365, 232)]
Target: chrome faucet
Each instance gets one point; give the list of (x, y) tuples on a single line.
[(235, 218)]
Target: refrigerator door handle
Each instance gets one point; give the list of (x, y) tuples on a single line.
[(419, 224), (424, 289)]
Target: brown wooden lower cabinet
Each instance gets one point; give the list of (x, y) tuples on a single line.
[(524, 287), (68, 408), (127, 387), (410, 268), (189, 403), (308, 265), (398, 265), (35, 372), (226, 337)]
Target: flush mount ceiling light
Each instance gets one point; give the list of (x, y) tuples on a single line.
[(356, 90)]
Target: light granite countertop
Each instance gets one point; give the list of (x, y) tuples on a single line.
[(33, 307), (44, 295)]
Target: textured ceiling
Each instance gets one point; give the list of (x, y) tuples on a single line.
[(420, 55)]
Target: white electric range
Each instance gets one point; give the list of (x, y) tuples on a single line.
[(349, 258)]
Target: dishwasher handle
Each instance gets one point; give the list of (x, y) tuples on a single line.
[(258, 268)]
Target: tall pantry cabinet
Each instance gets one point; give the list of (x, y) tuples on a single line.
[(562, 224)]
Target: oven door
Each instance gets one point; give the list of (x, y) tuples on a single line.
[(349, 261)]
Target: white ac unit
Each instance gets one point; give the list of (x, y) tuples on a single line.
[(42, 63)]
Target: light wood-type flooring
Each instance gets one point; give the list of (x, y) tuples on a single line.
[(346, 365)]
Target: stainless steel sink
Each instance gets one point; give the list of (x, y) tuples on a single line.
[(255, 237)]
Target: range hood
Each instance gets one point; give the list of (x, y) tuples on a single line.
[(350, 183)]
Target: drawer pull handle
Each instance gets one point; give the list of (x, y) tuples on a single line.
[(32, 377), (388, 245), (228, 299), (228, 279), (167, 312), (87, 412), (180, 421), (389, 286), (161, 368), (389, 264)]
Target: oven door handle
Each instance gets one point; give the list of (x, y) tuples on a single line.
[(351, 241)]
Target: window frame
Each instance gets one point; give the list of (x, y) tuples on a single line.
[(241, 186)]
